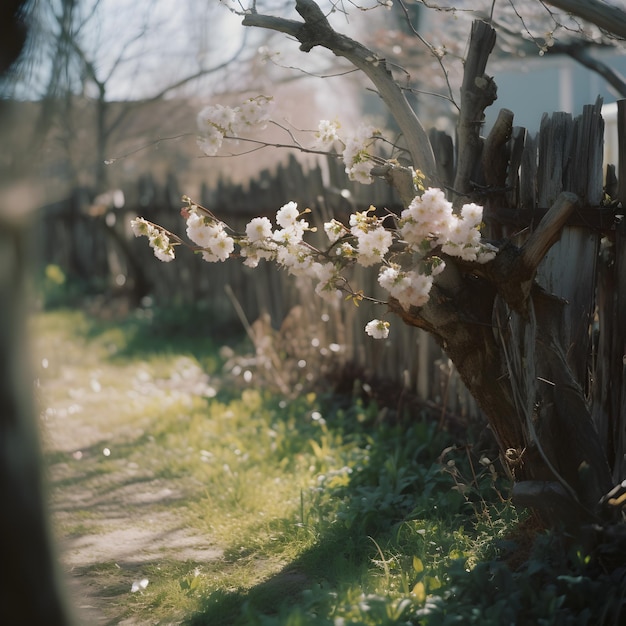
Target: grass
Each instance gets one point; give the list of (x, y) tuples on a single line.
[(323, 513)]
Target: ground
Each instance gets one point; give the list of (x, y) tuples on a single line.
[(117, 517), (115, 521)]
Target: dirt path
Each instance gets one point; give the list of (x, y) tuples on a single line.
[(116, 518)]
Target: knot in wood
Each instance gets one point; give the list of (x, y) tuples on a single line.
[(514, 456)]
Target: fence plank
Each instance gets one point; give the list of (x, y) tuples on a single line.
[(555, 139)]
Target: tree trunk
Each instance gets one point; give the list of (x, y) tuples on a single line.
[(30, 585), (501, 331)]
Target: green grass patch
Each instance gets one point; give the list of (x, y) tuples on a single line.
[(324, 514)]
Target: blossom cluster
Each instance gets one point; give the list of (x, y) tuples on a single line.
[(286, 246), (408, 248), (430, 217), (378, 329), (157, 237), (409, 288), (372, 239), (283, 244), (210, 235), (426, 229), (218, 121), (355, 148)]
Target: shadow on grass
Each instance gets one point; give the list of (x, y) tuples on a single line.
[(400, 481), (549, 587), (403, 483), (195, 330), (338, 560), (95, 481)]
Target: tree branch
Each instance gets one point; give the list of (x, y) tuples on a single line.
[(477, 93), (581, 54), (607, 17), (548, 231), (180, 83), (513, 270), (579, 51), (317, 31), (494, 158)]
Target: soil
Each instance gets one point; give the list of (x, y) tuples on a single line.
[(112, 525)]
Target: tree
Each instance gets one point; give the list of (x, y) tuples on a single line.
[(484, 308), (490, 362), (427, 40), (97, 68)]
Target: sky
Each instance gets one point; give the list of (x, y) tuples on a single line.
[(147, 45), (137, 47), (142, 46), (178, 39)]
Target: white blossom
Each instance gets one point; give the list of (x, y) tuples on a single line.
[(158, 240), (410, 288), (327, 275), (258, 228), (216, 116), (436, 265), (360, 172), (373, 245), (219, 248), (211, 142), (217, 121), (427, 230), (255, 252), (378, 329), (428, 215), (472, 213), (287, 215), (327, 133), (334, 230), (210, 235), (162, 247), (356, 156), (254, 112), (141, 227)]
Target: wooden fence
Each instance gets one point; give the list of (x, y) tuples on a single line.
[(518, 178)]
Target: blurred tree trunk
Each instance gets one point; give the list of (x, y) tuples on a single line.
[(30, 585)]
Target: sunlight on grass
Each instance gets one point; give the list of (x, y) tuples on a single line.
[(293, 491), (318, 511)]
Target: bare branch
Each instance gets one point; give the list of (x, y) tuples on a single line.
[(431, 48), (548, 231), (260, 145), (180, 83), (607, 17), (316, 31), (577, 50), (513, 270), (580, 53)]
